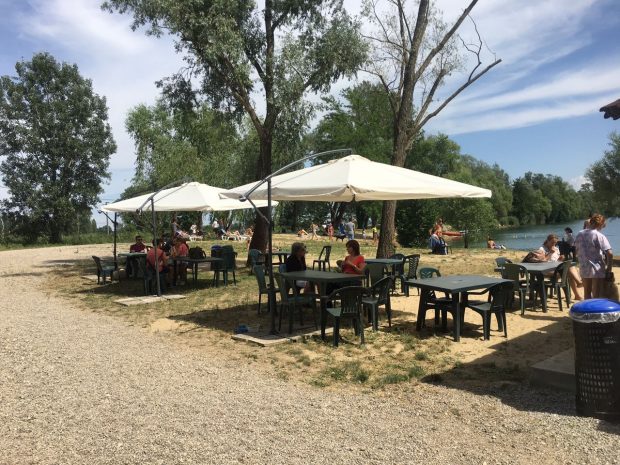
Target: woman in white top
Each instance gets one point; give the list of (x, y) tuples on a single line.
[(551, 253), (595, 256)]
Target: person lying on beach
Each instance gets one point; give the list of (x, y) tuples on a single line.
[(491, 244)]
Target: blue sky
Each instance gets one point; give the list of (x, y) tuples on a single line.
[(536, 111)]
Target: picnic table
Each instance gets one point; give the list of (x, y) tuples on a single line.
[(281, 255), (323, 279), (457, 286), (130, 258), (193, 263), (538, 271)]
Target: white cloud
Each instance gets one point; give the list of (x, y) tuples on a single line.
[(122, 64), (577, 182)]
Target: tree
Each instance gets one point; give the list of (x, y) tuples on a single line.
[(604, 179), (57, 142), (193, 142), (361, 121), (413, 56), (287, 48), (440, 156)]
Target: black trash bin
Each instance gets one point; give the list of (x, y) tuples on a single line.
[(596, 325)]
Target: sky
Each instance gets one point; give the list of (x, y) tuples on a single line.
[(536, 111)]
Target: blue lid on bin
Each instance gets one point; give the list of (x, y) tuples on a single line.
[(596, 306)]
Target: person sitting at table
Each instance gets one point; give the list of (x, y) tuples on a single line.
[(296, 261), (180, 249), (162, 260), (131, 267), (354, 262), (551, 253), (139, 245)]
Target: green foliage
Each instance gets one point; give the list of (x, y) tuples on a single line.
[(57, 142), (604, 178), (541, 199), (237, 50), (171, 144), (439, 156)]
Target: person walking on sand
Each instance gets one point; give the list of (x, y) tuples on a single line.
[(314, 228)]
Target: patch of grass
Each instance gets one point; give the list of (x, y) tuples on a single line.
[(304, 360), (416, 371), (391, 378), (421, 355), (319, 382)]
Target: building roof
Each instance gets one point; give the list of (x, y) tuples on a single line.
[(612, 110)]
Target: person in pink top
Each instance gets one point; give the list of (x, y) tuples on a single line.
[(595, 256), (354, 262), (180, 249)]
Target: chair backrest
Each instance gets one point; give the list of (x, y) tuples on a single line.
[(283, 288), (400, 268), (500, 295), (412, 270), (327, 249), (501, 261), (350, 299), (374, 272), (97, 262), (229, 257), (381, 289), (515, 273), (256, 257), (428, 272), (259, 272), (561, 272)]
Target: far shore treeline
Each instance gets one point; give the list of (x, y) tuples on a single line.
[(175, 139)]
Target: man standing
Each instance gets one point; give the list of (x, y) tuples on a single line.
[(350, 228)]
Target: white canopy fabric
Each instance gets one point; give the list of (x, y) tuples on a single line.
[(191, 196), (356, 178)]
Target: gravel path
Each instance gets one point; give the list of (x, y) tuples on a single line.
[(78, 387)]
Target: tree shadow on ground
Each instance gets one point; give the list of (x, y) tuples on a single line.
[(505, 373), (227, 319)]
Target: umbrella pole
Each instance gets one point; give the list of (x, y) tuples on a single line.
[(156, 246), (115, 241), (272, 295)]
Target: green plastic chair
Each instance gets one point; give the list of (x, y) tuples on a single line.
[(374, 273), (263, 286), (347, 303), (559, 282), (412, 262), (323, 260), (291, 302), (440, 304), (379, 295), (103, 270), (256, 257), (500, 300), (520, 281)]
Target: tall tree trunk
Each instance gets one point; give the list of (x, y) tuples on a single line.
[(260, 236), (388, 213)]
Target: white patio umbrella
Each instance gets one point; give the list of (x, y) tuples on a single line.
[(190, 196), (350, 178), (356, 178)]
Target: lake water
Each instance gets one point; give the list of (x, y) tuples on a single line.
[(531, 237)]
